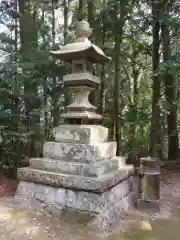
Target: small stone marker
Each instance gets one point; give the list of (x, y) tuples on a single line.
[(149, 183)]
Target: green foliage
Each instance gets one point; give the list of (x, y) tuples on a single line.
[(32, 94)]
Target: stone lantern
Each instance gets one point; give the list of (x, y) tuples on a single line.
[(82, 55), (80, 172)]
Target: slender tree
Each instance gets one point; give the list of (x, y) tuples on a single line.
[(29, 42), (155, 133), (170, 85), (81, 9), (120, 8)]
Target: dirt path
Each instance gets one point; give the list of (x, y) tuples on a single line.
[(155, 225), (19, 222)]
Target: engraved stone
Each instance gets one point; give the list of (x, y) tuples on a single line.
[(80, 133), (80, 152)]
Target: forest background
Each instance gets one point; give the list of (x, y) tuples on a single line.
[(139, 91)]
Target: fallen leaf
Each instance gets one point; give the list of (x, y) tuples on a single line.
[(116, 238), (17, 214), (145, 225)]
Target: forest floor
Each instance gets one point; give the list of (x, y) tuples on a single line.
[(19, 222)]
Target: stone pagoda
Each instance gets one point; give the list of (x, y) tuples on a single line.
[(80, 172)]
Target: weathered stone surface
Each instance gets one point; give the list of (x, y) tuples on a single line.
[(61, 197), (80, 152), (88, 134), (81, 78), (88, 169), (113, 213), (80, 171), (149, 166), (103, 207), (81, 99), (100, 184)]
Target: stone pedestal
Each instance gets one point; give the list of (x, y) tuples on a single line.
[(80, 175)]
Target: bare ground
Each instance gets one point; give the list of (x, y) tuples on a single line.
[(17, 221)]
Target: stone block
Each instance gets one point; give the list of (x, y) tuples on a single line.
[(81, 115), (79, 200), (44, 194), (60, 197), (102, 208), (112, 214), (76, 152), (72, 215), (100, 184), (88, 134), (84, 79), (88, 169), (97, 203), (25, 190)]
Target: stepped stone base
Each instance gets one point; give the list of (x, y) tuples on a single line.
[(80, 177), (87, 169), (89, 184), (94, 208)]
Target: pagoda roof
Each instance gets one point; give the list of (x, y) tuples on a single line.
[(81, 50)]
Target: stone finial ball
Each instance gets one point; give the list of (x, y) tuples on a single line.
[(83, 29)]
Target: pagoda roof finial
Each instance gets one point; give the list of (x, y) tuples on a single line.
[(82, 30)]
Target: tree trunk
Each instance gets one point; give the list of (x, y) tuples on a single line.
[(67, 95), (102, 91), (102, 75), (133, 101), (170, 89), (155, 148), (45, 90), (28, 39), (81, 9), (15, 99), (91, 18), (66, 10), (119, 24), (54, 98)]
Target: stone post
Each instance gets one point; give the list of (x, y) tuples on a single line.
[(149, 183)]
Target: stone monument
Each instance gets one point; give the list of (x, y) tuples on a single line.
[(149, 183), (80, 173)]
